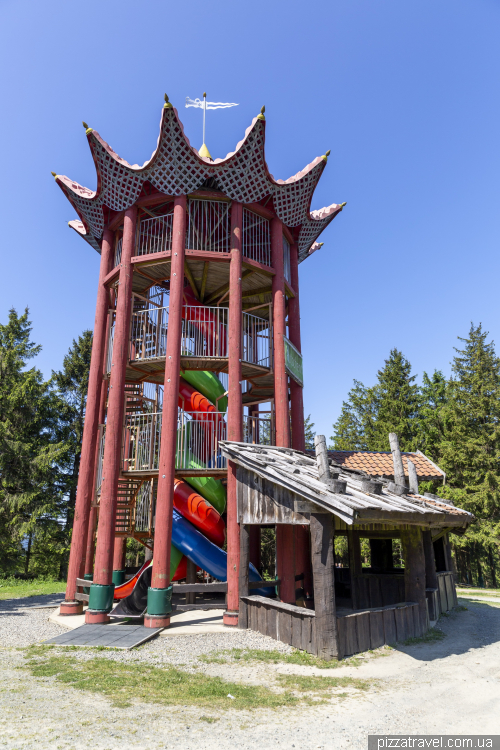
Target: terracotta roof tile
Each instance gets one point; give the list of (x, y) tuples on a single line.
[(379, 463)]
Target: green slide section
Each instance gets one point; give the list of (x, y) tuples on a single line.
[(211, 489), (175, 558), (207, 384)]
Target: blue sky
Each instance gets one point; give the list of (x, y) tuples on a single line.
[(405, 94)]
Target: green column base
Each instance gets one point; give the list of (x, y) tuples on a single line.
[(159, 601), (101, 597), (118, 577), (87, 577)]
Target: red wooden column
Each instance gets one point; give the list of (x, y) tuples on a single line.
[(234, 413), (90, 430), (101, 590), (285, 547), (119, 560), (158, 609), (254, 531), (302, 541), (89, 556)]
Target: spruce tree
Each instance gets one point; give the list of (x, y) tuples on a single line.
[(30, 495), (353, 429), (398, 404), (470, 449), (309, 433)]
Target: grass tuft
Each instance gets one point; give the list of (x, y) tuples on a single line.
[(432, 636), (319, 684), (209, 719), (277, 657), (127, 683)]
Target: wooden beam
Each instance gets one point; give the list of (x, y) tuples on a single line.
[(256, 292), (431, 581), (204, 281), (399, 472), (321, 525), (191, 280), (218, 292), (413, 478), (413, 554)]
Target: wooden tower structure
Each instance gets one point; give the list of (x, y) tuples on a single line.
[(198, 274)]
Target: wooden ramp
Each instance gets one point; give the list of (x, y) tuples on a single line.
[(112, 636)]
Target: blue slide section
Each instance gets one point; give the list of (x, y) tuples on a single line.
[(206, 555)]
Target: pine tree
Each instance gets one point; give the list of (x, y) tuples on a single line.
[(309, 433), (71, 384), (30, 496), (355, 425), (398, 404), (470, 449)]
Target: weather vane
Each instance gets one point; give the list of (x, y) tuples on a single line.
[(204, 105)]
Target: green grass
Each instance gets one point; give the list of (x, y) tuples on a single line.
[(484, 592), (432, 636), (124, 683), (320, 684), (277, 657), (14, 588)]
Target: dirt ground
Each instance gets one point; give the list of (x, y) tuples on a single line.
[(450, 686)]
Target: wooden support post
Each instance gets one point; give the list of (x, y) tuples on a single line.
[(84, 494), (234, 412), (90, 551), (302, 543), (101, 591), (450, 563), (324, 588), (354, 548), (414, 557), (160, 578), (191, 578), (323, 568), (431, 581), (399, 472), (243, 578), (412, 477)]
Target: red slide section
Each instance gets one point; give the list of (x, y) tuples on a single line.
[(126, 588), (196, 509), (192, 400)]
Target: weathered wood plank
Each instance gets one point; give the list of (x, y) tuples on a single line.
[(363, 630), (243, 575), (450, 590), (281, 606), (374, 587), (200, 588), (401, 628), (342, 625), (296, 631), (272, 616), (376, 629), (443, 598), (285, 627), (410, 622), (389, 617)]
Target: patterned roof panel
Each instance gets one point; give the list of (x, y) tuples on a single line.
[(176, 168)]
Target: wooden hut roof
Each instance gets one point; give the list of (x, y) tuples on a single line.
[(298, 472), (379, 463)]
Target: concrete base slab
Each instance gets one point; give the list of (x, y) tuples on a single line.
[(195, 622)]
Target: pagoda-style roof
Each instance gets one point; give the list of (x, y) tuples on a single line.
[(176, 168)]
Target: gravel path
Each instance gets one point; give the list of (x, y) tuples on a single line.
[(452, 686)]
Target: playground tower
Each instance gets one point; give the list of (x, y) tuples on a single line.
[(197, 326)]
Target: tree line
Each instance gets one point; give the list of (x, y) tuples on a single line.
[(41, 427), (455, 421)]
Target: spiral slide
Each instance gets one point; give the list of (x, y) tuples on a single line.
[(198, 530)]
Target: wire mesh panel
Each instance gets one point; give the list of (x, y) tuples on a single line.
[(204, 331), (286, 260), (208, 226), (257, 430), (198, 436), (148, 337), (155, 235), (144, 507), (256, 340), (118, 253), (256, 237), (142, 441)]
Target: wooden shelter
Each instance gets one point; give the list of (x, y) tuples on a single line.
[(358, 607)]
